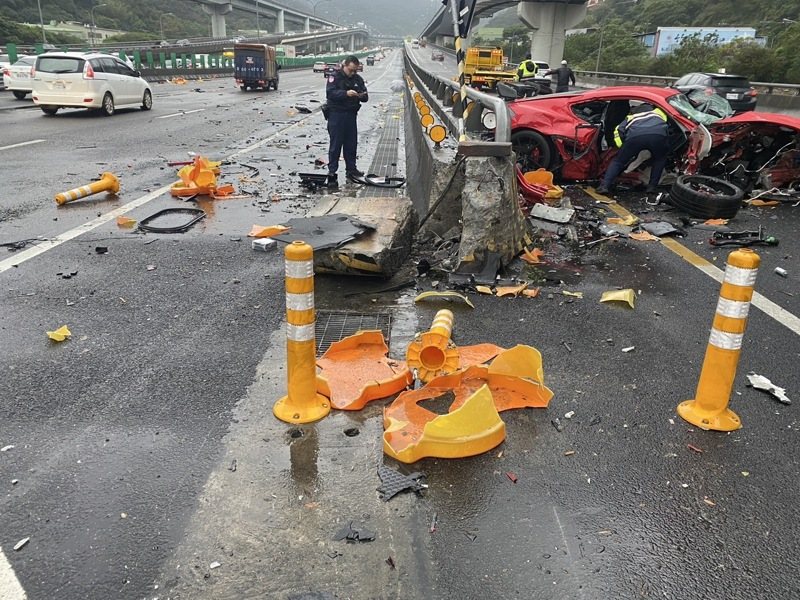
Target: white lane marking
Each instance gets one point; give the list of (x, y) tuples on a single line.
[(180, 114), (10, 587), (21, 257), (21, 144)]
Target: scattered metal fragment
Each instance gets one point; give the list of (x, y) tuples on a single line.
[(595, 421), (570, 414), (760, 382), (232, 468), (660, 228), (354, 534), (392, 482), (390, 561), (214, 565), (629, 349), (557, 424), (18, 245), (7, 448), (21, 544), (694, 449), (512, 477), (552, 213), (433, 522)]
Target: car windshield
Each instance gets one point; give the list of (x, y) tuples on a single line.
[(701, 107), (25, 61)]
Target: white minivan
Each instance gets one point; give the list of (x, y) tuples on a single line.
[(87, 80)]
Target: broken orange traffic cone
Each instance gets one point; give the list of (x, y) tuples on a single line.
[(433, 353), (307, 397), (108, 183), (709, 408)]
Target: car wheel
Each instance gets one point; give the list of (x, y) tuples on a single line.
[(49, 110), (243, 88), (532, 149), (275, 84), (20, 95), (147, 100), (706, 197), (108, 104)]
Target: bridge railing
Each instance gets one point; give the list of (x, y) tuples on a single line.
[(442, 95)]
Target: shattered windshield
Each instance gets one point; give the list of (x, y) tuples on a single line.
[(701, 107)]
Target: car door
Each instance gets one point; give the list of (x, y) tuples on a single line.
[(131, 81), (116, 82)]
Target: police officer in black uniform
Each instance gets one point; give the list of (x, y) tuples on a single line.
[(345, 92)]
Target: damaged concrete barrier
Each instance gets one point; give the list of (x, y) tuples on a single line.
[(709, 408)]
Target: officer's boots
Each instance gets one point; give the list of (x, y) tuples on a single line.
[(333, 181)]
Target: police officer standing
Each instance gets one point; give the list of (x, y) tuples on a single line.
[(564, 76), (644, 129), (345, 92), (527, 68)]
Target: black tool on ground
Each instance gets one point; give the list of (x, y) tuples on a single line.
[(313, 181), (353, 534), (742, 238), (382, 181), (18, 245), (197, 214), (392, 482)]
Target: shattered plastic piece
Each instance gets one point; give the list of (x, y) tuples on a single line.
[(694, 449), (629, 349), (60, 334), (570, 414), (483, 289), (643, 236), (354, 534), (533, 257), (531, 293), (214, 565), (511, 290), (473, 428), (21, 544), (126, 222), (263, 232), (445, 295), (557, 424), (759, 202), (392, 482), (716, 222), (626, 295), (659, 228), (512, 477), (358, 371), (573, 294), (552, 213), (627, 220), (760, 382), (7, 448), (478, 354), (390, 561)]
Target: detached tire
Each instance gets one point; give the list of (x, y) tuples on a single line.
[(706, 197)]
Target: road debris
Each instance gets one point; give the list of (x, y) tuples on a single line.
[(629, 349), (125, 222), (195, 215), (512, 476), (21, 544), (557, 424), (781, 271), (627, 295), (60, 334), (264, 244), (7, 448), (214, 565), (259, 231), (569, 415), (694, 449), (390, 561), (443, 295), (432, 528), (353, 534), (760, 382), (393, 482)]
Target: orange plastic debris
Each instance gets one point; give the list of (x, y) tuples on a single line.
[(478, 354), (473, 428), (716, 222), (758, 202), (511, 290), (515, 379), (643, 236), (357, 371), (200, 177), (261, 232), (531, 293), (532, 257), (123, 221), (223, 190)]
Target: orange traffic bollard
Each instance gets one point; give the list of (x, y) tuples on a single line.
[(108, 183), (302, 404), (432, 353), (709, 409)]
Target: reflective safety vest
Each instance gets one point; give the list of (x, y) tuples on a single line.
[(527, 68), (652, 121)]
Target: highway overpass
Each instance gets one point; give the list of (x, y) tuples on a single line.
[(276, 16)]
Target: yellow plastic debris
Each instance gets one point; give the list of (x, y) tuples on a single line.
[(358, 371), (531, 293), (261, 232), (627, 220), (60, 334), (471, 429), (483, 289), (511, 290), (432, 353), (573, 294), (627, 295), (445, 295), (758, 202), (716, 222), (532, 257), (127, 222), (643, 236)]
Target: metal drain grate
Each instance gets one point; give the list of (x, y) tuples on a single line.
[(334, 326)]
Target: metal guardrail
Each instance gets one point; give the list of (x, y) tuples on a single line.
[(438, 91)]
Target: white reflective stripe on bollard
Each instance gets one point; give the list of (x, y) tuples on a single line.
[(300, 301), (733, 308), (740, 276), (726, 341), (299, 269), (300, 333)]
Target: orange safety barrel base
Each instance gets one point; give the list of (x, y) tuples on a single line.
[(726, 420), (472, 429), (358, 371)]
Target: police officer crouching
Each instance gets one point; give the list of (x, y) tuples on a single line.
[(345, 92)]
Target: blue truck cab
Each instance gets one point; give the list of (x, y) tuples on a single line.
[(255, 66)]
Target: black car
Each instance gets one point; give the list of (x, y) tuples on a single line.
[(331, 68), (734, 88)]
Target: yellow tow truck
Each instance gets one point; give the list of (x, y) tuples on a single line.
[(483, 67)]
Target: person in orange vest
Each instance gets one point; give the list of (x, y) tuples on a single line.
[(644, 129)]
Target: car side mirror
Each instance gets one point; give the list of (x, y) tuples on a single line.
[(137, 73)]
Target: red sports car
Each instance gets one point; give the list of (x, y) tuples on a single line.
[(572, 134)]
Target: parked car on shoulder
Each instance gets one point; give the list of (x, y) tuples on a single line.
[(734, 88), (87, 80), (437, 55), (572, 134), (17, 77), (319, 67)]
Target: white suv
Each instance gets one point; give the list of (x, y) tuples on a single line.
[(87, 80)]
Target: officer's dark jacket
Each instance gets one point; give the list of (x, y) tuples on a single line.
[(564, 76), (641, 122), (336, 92)]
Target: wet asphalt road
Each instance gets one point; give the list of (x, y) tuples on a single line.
[(125, 436)]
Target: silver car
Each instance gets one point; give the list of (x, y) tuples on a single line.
[(87, 80)]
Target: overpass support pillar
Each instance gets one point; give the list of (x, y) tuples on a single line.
[(352, 43), (307, 25), (550, 20), (217, 12), (280, 26)]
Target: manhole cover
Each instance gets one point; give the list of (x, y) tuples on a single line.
[(334, 326)]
